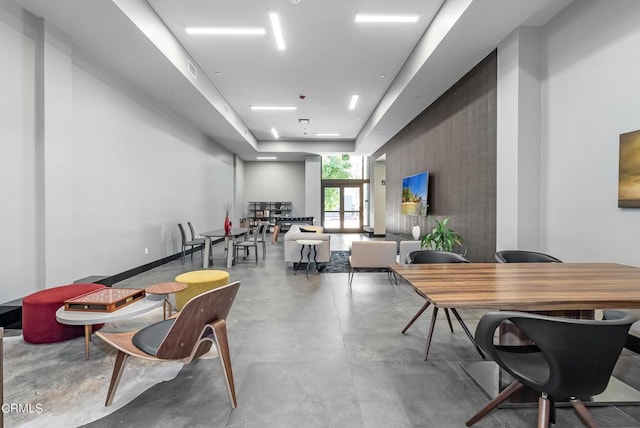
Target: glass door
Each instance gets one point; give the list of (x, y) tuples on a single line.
[(342, 207)]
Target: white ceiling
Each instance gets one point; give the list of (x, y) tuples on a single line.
[(328, 57)]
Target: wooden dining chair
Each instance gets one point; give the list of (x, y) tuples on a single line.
[(185, 337)]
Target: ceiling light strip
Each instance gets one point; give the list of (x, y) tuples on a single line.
[(231, 31), (275, 134), (272, 108), (367, 17), (327, 134), (354, 101), (277, 30), (267, 158)]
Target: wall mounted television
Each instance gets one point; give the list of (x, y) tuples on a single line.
[(414, 194)]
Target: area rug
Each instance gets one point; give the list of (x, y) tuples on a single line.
[(339, 263), (53, 385)]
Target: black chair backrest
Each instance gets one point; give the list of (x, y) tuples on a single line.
[(182, 234), (522, 256), (575, 359), (434, 256)]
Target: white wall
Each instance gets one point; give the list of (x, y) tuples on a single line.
[(20, 267), (137, 173), (379, 199), (313, 187), (91, 172), (589, 97), (518, 160), (275, 181)]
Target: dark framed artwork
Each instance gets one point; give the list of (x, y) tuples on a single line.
[(629, 178)]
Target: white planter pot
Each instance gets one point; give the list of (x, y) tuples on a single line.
[(416, 232)]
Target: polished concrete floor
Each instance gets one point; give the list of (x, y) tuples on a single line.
[(312, 353)]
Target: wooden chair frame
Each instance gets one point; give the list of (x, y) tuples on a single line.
[(201, 322)]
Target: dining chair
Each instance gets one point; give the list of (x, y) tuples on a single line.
[(246, 245), (571, 358), (193, 244), (429, 257), (185, 337), (522, 256), (262, 237)]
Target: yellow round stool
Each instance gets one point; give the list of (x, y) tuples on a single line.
[(198, 282)]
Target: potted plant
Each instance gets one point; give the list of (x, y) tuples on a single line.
[(441, 237)]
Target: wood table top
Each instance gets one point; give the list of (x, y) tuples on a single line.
[(166, 288), (526, 286)]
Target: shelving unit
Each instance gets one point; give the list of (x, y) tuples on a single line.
[(271, 212)]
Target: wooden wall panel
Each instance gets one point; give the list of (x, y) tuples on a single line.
[(455, 140)]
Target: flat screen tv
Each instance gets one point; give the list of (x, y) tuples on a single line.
[(414, 194)]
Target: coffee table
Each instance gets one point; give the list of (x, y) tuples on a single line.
[(164, 289), (88, 318)]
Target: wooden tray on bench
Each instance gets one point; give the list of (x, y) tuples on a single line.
[(105, 300)]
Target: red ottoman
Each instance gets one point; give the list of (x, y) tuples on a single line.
[(39, 323)]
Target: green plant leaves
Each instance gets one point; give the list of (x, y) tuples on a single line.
[(441, 237)]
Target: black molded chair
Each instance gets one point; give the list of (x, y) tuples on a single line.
[(434, 256), (572, 358), (197, 244), (522, 256)]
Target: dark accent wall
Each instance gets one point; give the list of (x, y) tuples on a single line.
[(455, 140)]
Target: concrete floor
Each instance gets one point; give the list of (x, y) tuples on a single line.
[(312, 353)]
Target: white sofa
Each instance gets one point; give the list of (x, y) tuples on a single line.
[(292, 248)]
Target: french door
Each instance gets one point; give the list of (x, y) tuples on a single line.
[(342, 207)]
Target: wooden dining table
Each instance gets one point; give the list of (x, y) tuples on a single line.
[(579, 288)]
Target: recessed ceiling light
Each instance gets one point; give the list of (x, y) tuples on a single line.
[(367, 17), (267, 158), (304, 121), (277, 30), (383, 75), (273, 108), (274, 132), (327, 134), (353, 102), (232, 31)]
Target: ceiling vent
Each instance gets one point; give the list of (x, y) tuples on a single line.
[(192, 69)]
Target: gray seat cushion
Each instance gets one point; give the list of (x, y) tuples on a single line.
[(149, 338)]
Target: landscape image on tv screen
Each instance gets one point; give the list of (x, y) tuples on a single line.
[(414, 194)]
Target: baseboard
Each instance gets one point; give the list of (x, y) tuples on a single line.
[(11, 312)]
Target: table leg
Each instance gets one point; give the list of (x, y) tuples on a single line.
[(205, 258), (229, 244), (295, 268), (87, 339), (315, 255), (308, 260)]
